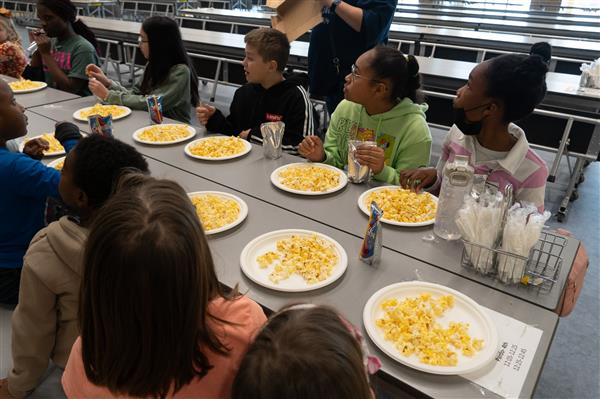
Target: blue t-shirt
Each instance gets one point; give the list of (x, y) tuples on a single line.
[(26, 183), (348, 44)]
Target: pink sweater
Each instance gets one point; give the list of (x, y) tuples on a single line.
[(520, 166), (248, 317)]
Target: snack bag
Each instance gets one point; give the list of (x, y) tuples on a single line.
[(370, 252), (101, 125), (155, 109)]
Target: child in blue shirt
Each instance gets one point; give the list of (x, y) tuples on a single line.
[(26, 183)]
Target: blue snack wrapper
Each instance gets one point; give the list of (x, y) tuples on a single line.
[(370, 251), (155, 109), (101, 125)]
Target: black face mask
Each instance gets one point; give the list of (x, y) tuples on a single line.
[(461, 122)]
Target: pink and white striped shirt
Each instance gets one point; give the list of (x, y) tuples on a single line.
[(520, 166)]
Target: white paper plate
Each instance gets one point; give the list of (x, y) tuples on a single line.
[(241, 217), (42, 86), (277, 181), (295, 283), (365, 208), (77, 114), (46, 154), (188, 151), (56, 162), (191, 130), (464, 310)]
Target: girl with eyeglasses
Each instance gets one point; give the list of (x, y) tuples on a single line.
[(169, 73), (382, 104)]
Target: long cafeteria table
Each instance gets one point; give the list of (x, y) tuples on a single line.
[(582, 20), (339, 210), (566, 48), (46, 96), (538, 7), (559, 30), (574, 130), (350, 293), (447, 74)]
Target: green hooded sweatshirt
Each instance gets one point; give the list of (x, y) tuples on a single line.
[(402, 132)]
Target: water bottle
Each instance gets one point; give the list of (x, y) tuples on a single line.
[(456, 183)]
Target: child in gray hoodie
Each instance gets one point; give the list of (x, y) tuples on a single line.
[(44, 323)]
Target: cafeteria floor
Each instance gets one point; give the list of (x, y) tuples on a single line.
[(573, 364)]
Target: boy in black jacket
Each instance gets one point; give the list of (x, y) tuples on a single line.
[(267, 97)]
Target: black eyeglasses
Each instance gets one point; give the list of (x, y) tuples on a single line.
[(355, 74)]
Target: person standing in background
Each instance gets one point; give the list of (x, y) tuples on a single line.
[(349, 28)]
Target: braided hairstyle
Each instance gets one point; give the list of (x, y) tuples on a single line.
[(67, 12), (402, 71), (519, 80)]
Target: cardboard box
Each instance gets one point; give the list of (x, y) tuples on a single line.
[(295, 17)]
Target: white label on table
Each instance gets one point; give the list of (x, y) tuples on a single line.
[(517, 343)]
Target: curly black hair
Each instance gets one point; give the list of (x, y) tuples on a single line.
[(519, 80), (98, 163)]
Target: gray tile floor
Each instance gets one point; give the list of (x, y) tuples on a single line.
[(572, 369)]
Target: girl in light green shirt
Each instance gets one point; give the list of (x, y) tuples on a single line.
[(381, 104)]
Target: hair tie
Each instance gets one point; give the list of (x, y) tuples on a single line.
[(371, 363), (5, 12)]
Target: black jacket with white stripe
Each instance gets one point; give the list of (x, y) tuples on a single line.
[(252, 105)]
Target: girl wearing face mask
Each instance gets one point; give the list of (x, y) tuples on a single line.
[(499, 92)]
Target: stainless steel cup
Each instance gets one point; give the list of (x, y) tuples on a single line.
[(272, 135)]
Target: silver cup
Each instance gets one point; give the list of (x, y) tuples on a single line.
[(32, 48), (358, 173), (272, 135)]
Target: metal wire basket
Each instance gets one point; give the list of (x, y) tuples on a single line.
[(540, 269)]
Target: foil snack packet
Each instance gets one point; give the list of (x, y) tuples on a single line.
[(370, 251), (101, 125), (155, 109)]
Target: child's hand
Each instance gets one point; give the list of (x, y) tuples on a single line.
[(371, 156), (311, 148), (4, 393), (98, 89), (43, 42), (417, 179), (93, 71), (35, 148), (244, 134), (204, 112)]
